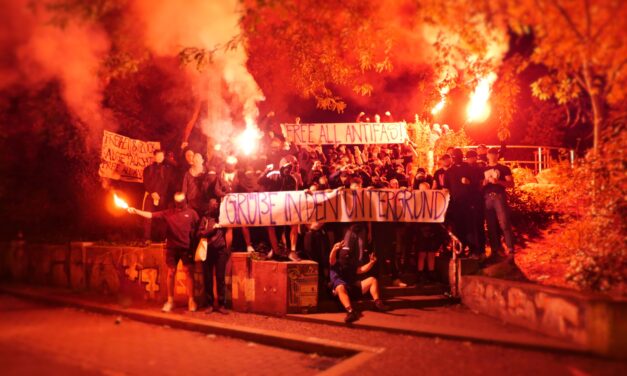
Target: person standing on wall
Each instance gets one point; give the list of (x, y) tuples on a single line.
[(157, 182)]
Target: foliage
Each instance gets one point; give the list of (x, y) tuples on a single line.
[(588, 202), (326, 44), (545, 124), (420, 134), (581, 45)]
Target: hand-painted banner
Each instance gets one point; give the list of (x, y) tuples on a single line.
[(345, 205), (345, 133), (124, 158)]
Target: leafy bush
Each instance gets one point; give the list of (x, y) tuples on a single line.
[(588, 201)]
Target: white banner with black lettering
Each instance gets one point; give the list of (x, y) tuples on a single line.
[(344, 205), (345, 133)]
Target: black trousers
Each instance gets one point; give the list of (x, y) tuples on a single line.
[(215, 264), (153, 230)]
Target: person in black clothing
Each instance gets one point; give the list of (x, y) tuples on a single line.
[(346, 280), (195, 185), (157, 183), (427, 240), (496, 178), (460, 212), (477, 233), (181, 224), (422, 177), (438, 176), (217, 257), (275, 181)]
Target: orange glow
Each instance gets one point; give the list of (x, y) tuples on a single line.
[(119, 202), (478, 108), (248, 141), (438, 107)]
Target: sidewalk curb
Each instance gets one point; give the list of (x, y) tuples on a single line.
[(355, 354), (524, 345)]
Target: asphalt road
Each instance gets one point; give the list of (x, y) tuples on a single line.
[(39, 339)]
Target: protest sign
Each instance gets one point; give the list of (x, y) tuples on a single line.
[(344, 205), (124, 158), (345, 133)]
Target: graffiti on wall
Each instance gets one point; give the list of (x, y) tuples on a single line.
[(527, 307), (83, 266)]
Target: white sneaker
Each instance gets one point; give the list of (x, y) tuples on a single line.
[(167, 307), (191, 305), (293, 256), (250, 249), (398, 283)]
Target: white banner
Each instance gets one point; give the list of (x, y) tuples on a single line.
[(124, 158), (345, 205), (345, 133)]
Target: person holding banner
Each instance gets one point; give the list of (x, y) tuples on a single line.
[(181, 224), (276, 181)]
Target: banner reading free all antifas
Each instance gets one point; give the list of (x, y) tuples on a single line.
[(345, 133)]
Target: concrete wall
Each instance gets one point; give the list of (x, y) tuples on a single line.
[(595, 322), (132, 272), (139, 273)]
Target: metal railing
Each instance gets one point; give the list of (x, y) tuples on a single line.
[(535, 157), (454, 269)]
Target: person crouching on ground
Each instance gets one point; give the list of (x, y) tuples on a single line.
[(181, 224), (345, 281)]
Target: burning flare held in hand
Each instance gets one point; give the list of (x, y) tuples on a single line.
[(119, 202), (248, 141)]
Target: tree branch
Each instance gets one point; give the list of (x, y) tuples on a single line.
[(612, 14), (569, 21), (586, 6)]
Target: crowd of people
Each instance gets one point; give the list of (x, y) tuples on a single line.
[(353, 258)]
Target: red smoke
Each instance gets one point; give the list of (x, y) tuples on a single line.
[(36, 52)]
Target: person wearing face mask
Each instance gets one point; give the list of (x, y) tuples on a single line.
[(157, 181), (181, 223), (245, 181), (421, 177), (275, 181), (194, 184), (218, 254)]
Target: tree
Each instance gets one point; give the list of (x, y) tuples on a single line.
[(325, 44)]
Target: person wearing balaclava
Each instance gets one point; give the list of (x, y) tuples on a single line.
[(181, 222), (218, 255)]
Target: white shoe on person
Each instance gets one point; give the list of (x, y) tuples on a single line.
[(191, 305), (250, 249), (398, 283), (167, 307)]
